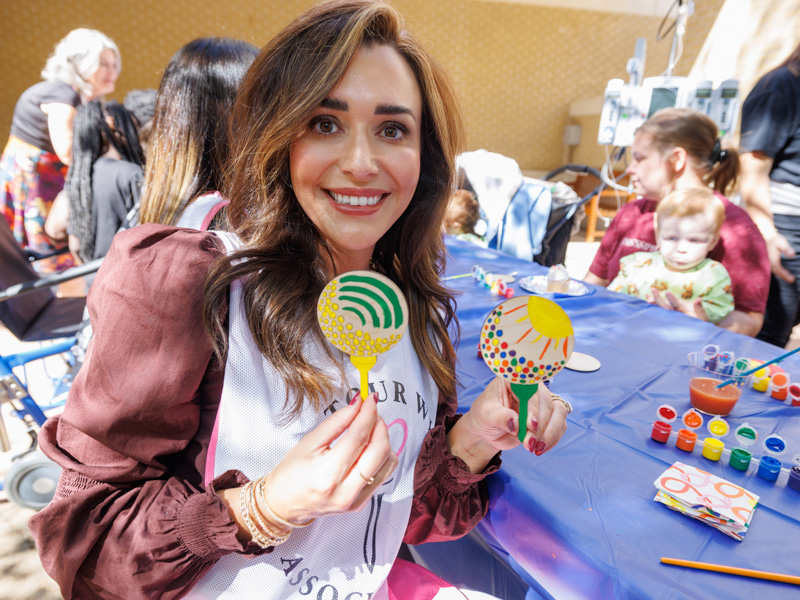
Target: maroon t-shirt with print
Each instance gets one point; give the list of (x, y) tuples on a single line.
[(741, 249)]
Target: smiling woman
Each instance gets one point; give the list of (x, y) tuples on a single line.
[(355, 170), (247, 464)]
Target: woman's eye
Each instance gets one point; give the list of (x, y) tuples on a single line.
[(325, 126), (394, 131)]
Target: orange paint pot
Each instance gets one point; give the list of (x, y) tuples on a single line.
[(686, 440)]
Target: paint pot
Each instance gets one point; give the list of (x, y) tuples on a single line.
[(712, 449), (661, 431), (778, 385), (740, 459), (794, 478), (686, 440), (794, 394), (769, 468)]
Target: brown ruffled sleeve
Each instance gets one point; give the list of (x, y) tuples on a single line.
[(131, 517), (449, 500)]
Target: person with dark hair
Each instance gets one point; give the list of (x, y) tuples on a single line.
[(142, 104), (463, 214), (679, 148), (84, 66), (105, 178), (233, 456), (770, 188), (189, 137)]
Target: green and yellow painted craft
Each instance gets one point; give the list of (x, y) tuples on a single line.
[(363, 314)]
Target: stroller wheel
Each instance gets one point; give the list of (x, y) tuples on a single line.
[(31, 480)]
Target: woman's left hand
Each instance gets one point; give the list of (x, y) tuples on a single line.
[(492, 424), (693, 308)]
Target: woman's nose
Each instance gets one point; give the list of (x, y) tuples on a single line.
[(359, 160)]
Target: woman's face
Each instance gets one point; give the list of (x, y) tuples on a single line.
[(652, 175), (104, 79), (355, 167)]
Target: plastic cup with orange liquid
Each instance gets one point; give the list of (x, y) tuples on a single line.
[(704, 396)]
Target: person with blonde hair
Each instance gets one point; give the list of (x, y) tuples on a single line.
[(688, 222), (679, 148), (189, 136), (215, 444), (84, 66)]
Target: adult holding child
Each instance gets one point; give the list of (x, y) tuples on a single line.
[(679, 148), (84, 66), (688, 222), (243, 465)]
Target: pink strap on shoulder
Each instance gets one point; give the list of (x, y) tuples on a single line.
[(409, 580), (213, 213)]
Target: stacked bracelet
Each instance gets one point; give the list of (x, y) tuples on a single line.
[(271, 513), (264, 537)]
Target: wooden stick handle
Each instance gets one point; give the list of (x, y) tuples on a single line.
[(732, 570)]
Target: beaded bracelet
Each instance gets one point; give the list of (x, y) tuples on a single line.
[(271, 513), (265, 538)]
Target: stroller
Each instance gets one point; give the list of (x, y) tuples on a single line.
[(32, 313), (531, 219)]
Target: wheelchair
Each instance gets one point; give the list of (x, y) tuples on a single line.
[(33, 313)]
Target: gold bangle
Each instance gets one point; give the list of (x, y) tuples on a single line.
[(246, 497), (557, 398), (253, 508), (271, 513)]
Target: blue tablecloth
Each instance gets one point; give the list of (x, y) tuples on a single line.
[(580, 521)]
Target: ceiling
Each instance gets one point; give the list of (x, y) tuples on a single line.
[(652, 8)]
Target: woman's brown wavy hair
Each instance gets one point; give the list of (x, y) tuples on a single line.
[(697, 134), (284, 261)]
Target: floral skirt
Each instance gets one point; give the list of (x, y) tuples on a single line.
[(30, 180)]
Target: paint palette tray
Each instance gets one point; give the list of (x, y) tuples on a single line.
[(537, 284)]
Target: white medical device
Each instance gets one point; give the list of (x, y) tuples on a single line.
[(626, 107)]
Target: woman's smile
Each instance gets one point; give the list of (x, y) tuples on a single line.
[(355, 168)]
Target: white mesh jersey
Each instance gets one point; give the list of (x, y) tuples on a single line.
[(338, 557)]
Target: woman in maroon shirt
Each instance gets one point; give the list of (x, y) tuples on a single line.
[(344, 137), (678, 148)]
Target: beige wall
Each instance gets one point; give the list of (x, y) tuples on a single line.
[(517, 67)]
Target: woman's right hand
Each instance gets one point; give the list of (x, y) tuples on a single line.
[(315, 479)]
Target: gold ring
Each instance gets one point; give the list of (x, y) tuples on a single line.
[(369, 480), (557, 398)]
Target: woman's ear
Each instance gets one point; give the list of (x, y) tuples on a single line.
[(678, 157)]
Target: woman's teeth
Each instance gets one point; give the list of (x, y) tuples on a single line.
[(355, 200)]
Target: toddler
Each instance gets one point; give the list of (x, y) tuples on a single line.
[(687, 225), (462, 215)]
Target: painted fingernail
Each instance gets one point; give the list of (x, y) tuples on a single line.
[(540, 448), (534, 425), (375, 397), (511, 425), (531, 444), (355, 397)]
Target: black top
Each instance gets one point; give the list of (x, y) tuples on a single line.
[(771, 123), (116, 187), (29, 122)]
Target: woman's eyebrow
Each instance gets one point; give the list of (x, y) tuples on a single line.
[(381, 109), (394, 109)]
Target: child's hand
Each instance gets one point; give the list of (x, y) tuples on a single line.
[(671, 302)]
